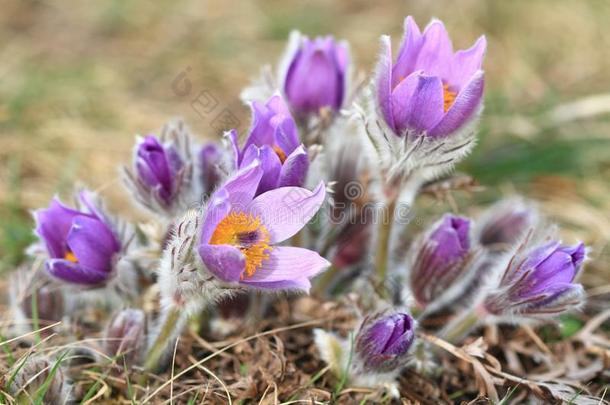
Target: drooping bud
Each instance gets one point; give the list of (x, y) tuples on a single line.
[(126, 335), (439, 259), (502, 225), (539, 282), (383, 342), (39, 376)]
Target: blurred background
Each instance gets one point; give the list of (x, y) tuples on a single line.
[(79, 79)]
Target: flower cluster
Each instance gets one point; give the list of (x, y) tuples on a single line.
[(260, 214)]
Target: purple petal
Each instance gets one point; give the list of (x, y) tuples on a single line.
[(270, 163), (93, 243), (467, 62), (53, 225), (241, 188), (225, 261), (407, 56), (288, 265), (286, 135), (466, 103), (74, 272), (285, 211), (218, 208), (417, 103), (436, 54), (232, 135), (294, 169), (383, 81)]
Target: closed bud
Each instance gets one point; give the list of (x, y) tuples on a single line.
[(49, 303), (161, 177), (383, 341), (125, 335), (439, 259), (539, 282), (316, 75)]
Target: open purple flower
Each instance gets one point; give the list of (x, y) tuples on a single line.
[(82, 245), (316, 76), (429, 89), (273, 140), (439, 258), (240, 233), (158, 167), (383, 342), (539, 282)]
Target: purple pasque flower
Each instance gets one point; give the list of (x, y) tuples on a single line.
[(82, 245), (159, 168), (274, 141), (211, 158), (430, 89), (316, 75), (240, 233), (383, 341), (539, 282), (439, 258)]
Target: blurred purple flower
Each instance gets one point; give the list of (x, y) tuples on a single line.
[(429, 89), (504, 223), (126, 335), (273, 140), (316, 76), (540, 282), (240, 233), (210, 162), (383, 342), (158, 167), (439, 258), (82, 245)]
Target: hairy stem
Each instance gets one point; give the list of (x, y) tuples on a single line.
[(460, 327), (166, 333), (383, 241)]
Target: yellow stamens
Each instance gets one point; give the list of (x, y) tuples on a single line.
[(448, 97), (69, 256), (280, 153), (247, 233)]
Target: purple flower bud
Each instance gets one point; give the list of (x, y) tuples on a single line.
[(274, 141), (82, 245), (430, 89), (504, 223), (316, 76), (439, 258), (210, 164), (539, 282), (383, 342), (125, 335), (49, 304), (157, 167)]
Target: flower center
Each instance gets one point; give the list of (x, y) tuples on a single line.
[(448, 97), (280, 153), (248, 234), (69, 256)]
